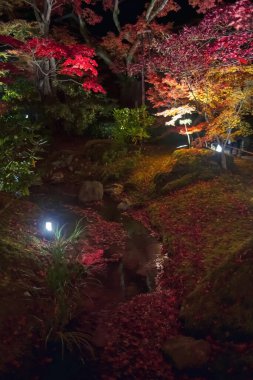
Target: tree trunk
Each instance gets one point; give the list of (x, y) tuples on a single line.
[(45, 71), (188, 136), (143, 100), (223, 159), (223, 156)]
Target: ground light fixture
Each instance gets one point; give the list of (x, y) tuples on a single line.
[(218, 148), (49, 226)]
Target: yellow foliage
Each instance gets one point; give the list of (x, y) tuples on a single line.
[(7, 7), (225, 97), (20, 29)]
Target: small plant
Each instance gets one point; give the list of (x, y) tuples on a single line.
[(60, 244), (116, 152), (131, 125), (71, 341)]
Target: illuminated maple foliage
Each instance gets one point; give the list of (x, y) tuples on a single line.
[(165, 91), (117, 49), (44, 58), (211, 61), (226, 100), (219, 40)]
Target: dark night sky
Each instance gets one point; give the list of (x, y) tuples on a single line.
[(131, 9)]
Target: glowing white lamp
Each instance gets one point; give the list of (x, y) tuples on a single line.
[(49, 226), (218, 148), (26, 116)]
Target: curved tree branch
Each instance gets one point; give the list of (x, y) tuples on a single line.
[(150, 8), (157, 11), (132, 51), (116, 15), (85, 34)]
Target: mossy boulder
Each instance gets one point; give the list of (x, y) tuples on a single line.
[(189, 165), (186, 353), (179, 183), (91, 191), (222, 304)]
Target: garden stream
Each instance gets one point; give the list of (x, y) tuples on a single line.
[(134, 273)]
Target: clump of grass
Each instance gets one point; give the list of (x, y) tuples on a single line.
[(70, 341), (64, 279), (61, 271)]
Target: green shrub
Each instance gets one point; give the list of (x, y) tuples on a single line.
[(20, 145), (20, 137), (116, 152), (77, 111), (131, 125), (102, 130)]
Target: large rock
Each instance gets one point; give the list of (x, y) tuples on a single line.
[(91, 191), (124, 205), (114, 190), (187, 353), (57, 177)]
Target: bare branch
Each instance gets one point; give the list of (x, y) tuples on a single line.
[(159, 9), (48, 10), (85, 34), (36, 10), (150, 8), (82, 28), (116, 15), (132, 51)]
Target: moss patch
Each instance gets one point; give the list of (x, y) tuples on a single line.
[(149, 164), (222, 303), (179, 183), (188, 165)]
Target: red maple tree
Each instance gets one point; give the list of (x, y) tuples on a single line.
[(49, 59), (222, 38)]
